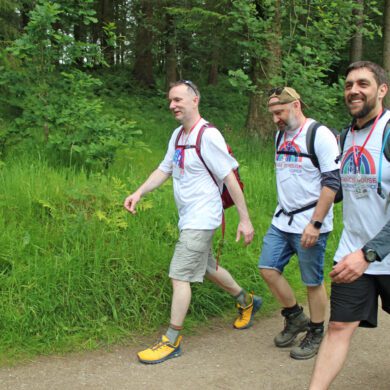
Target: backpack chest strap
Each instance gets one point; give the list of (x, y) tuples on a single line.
[(293, 212)]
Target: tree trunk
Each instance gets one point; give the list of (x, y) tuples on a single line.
[(386, 46), (170, 51), (107, 18), (80, 36), (356, 49), (143, 66), (216, 36), (213, 70), (121, 15), (213, 74), (25, 8), (259, 121), (96, 27)]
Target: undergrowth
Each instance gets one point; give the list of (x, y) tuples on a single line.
[(78, 272)]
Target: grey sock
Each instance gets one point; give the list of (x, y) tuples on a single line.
[(172, 334), (241, 298)]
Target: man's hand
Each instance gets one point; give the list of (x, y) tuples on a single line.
[(309, 236), (131, 201), (349, 268), (246, 230)]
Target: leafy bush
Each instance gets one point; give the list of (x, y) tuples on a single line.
[(55, 104)]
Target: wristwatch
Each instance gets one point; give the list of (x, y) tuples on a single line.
[(316, 224), (370, 255)]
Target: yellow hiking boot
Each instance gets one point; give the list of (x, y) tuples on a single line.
[(246, 314), (161, 351)]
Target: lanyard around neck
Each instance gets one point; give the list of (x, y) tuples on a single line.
[(357, 156), (289, 144), (183, 147), (189, 133)]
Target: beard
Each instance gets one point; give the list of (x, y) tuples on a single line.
[(368, 106), (292, 123)]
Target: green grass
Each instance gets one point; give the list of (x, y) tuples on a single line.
[(78, 272)]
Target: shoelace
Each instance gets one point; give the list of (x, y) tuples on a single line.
[(159, 345), (286, 324), (307, 339)]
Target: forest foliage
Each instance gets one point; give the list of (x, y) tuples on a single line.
[(55, 57), (84, 118)]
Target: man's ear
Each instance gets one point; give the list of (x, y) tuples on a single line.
[(382, 90), (297, 104)]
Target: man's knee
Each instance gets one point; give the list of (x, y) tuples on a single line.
[(269, 275), (177, 284), (314, 290), (341, 329), (216, 273)]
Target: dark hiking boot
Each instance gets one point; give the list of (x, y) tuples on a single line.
[(309, 346), (294, 324)]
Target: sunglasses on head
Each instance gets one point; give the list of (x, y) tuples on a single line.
[(190, 84), (275, 91)]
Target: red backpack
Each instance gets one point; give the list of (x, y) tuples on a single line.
[(227, 200)]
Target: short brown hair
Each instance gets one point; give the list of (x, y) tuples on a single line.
[(379, 73)]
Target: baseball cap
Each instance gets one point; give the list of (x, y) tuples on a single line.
[(284, 95)]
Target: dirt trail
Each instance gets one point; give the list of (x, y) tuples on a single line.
[(219, 358)]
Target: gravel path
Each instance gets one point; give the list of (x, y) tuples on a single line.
[(216, 358)]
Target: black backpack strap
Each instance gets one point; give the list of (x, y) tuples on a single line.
[(387, 146), (343, 136), (293, 212), (278, 139), (293, 153), (310, 135), (310, 139)]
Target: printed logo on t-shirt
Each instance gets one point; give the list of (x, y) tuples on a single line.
[(290, 161), (178, 157), (365, 177), (289, 147)]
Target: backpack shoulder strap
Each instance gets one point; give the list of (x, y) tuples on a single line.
[(343, 136), (198, 148), (341, 141), (178, 136), (278, 139), (199, 138), (386, 138), (310, 138)]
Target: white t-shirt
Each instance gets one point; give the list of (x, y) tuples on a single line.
[(364, 217), (299, 181), (197, 198)]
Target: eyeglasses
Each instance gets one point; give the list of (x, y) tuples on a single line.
[(189, 84)]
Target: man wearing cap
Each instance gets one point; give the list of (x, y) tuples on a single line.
[(302, 220)]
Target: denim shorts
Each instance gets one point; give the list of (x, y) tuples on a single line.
[(279, 247), (193, 256)]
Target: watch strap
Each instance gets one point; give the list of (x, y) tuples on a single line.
[(316, 224), (370, 254)]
